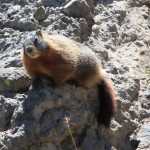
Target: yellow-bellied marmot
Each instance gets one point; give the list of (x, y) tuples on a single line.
[(63, 59)]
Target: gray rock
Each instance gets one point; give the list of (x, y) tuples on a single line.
[(13, 80), (77, 8), (105, 1), (92, 141), (7, 106), (42, 116), (139, 2), (48, 146), (13, 10), (40, 14), (61, 24), (22, 24), (85, 30), (141, 138), (21, 2), (52, 3)]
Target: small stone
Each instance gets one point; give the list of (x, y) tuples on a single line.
[(40, 14), (84, 30), (77, 8), (142, 52)]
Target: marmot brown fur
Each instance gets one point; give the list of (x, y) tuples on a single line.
[(63, 59)]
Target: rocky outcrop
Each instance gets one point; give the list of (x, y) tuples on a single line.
[(41, 117)]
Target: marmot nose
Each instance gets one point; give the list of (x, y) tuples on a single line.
[(29, 49)]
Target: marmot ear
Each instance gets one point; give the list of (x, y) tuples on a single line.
[(39, 33)]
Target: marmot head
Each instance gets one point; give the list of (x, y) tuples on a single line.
[(35, 46)]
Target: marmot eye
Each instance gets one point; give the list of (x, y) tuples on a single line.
[(35, 41), (40, 44)]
